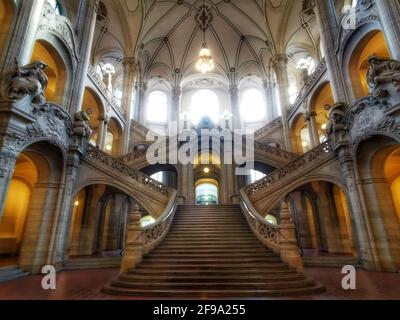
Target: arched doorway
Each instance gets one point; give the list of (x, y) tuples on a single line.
[(56, 70), (322, 217), (98, 222), (301, 137), (379, 172), (323, 98), (31, 207), (207, 192), (113, 138), (93, 106)]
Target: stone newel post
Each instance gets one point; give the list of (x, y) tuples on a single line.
[(288, 241), (133, 242)]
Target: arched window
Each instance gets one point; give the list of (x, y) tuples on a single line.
[(204, 104), (252, 107), (157, 107), (56, 6)]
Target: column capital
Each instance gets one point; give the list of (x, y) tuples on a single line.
[(234, 89), (280, 60), (176, 91)]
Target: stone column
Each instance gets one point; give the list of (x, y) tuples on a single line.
[(328, 27), (134, 241), (139, 101), (389, 11), (366, 250), (190, 185), (236, 118), (269, 100), (176, 98), (290, 252), (8, 158), (130, 68), (85, 26), (279, 63), (101, 136), (23, 36), (312, 128)]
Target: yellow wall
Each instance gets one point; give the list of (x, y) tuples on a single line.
[(395, 187), (17, 205), (6, 15), (311, 223), (90, 101), (55, 70), (375, 46)]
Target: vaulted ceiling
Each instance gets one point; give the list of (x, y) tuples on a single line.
[(166, 35)]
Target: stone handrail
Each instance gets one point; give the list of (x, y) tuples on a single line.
[(293, 166), (270, 126), (274, 151), (281, 239), (155, 233), (311, 81), (138, 176), (104, 90)]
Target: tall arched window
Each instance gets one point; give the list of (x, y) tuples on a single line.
[(252, 107), (157, 107), (204, 104)]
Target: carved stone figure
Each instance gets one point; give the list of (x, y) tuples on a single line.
[(336, 128), (81, 125), (29, 80), (382, 71)]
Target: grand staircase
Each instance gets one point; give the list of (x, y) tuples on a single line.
[(210, 252)]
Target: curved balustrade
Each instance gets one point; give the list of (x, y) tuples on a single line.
[(138, 176), (103, 89), (297, 164), (155, 233), (267, 232)]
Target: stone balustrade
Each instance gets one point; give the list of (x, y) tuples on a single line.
[(297, 164), (310, 83), (103, 89), (138, 176)]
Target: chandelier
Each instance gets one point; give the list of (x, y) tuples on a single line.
[(205, 62)]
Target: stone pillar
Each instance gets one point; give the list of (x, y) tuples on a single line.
[(366, 251), (312, 128), (176, 98), (23, 36), (85, 26), (190, 185), (8, 158), (269, 100), (101, 135), (139, 101), (236, 118), (279, 63), (389, 11), (328, 27), (290, 252), (130, 68), (134, 241)]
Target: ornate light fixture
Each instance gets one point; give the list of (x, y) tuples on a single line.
[(205, 62)]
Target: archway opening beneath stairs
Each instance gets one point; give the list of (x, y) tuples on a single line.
[(323, 220), (30, 208), (378, 163), (207, 192)]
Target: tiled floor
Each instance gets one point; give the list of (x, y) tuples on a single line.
[(87, 284)]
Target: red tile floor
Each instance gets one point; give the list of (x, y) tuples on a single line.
[(87, 284)]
